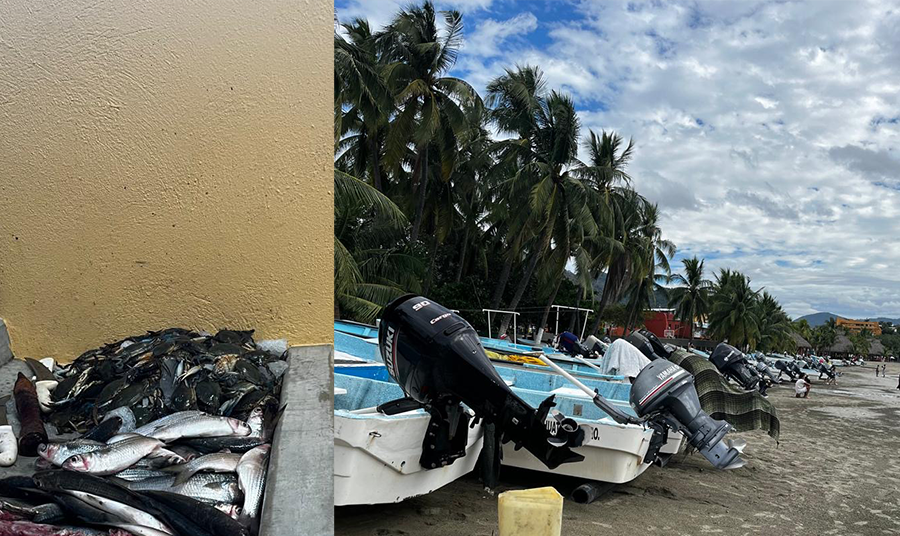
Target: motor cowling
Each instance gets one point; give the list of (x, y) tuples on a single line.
[(437, 358), (666, 390), (733, 364)]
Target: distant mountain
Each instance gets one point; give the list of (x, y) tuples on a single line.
[(817, 319)]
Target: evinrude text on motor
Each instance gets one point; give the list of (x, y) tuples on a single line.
[(438, 360)]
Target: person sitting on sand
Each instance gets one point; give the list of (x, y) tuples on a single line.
[(801, 388)]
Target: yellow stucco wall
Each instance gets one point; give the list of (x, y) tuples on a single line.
[(164, 163)]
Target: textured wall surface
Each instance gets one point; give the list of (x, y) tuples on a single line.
[(164, 163)]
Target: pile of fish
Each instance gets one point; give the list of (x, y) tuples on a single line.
[(168, 434)]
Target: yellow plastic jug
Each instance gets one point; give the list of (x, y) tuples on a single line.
[(531, 512)]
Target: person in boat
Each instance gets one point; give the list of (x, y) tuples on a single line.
[(802, 387)]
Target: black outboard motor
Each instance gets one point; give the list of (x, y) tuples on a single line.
[(664, 397), (785, 367), (437, 358), (733, 364), (664, 391)]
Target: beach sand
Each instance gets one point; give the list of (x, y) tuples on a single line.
[(835, 471)]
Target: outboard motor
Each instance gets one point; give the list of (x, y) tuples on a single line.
[(438, 360), (649, 345), (594, 346), (664, 397), (791, 369), (733, 364), (664, 393)]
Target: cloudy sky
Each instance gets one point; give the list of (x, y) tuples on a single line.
[(769, 133)]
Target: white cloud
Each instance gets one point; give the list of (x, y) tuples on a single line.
[(485, 41), (769, 133)]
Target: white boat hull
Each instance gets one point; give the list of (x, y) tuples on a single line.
[(612, 453), (376, 458)]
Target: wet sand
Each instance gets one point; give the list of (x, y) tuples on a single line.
[(835, 471)]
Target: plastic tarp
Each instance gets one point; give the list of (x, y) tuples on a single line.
[(623, 359)]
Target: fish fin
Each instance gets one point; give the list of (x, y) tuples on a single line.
[(182, 477), (40, 371)]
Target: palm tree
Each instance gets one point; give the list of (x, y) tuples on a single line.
[(366, 275), (557, 208), (774, 325), (691, 297), (417, 54), (362, 104), (734, 312)]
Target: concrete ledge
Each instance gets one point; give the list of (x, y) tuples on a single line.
[(5, 348), (299, 497)]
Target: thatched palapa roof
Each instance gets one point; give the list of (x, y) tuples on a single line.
[(800, 341)]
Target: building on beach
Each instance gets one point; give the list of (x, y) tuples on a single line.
[(858, 325)]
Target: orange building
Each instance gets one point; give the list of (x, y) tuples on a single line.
[(858, 325)]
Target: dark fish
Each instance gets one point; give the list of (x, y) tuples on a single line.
[(216, 444), (205, 515), (98, 492), (169, 370), (248, 371), (64, 388), (184, 398), (83, 511), (105, 429), (108, 392), (208, 395), (48, 513)]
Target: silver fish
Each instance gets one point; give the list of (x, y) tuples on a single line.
[(211, 488), (127, 513), (133, 474), (201, 426), (58, 453), (150, 427), (219, 462), (207, 487), (127, 417), (140, 530), (251, 471), (113, 458)]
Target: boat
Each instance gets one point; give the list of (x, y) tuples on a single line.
[(376, 456), (613, 452)]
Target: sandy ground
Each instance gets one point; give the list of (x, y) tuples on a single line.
[(835, 471)]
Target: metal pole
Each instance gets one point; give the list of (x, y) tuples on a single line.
[(515, 331), (556, 332), (588, 363), (584, 327), (489, 324), (615, 413)]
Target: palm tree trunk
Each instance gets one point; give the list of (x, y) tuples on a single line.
[(462, 255), (546, 314), (691, 335), (376, 163), (420, 204), (434, 245), (501, 283), (611, 291), (529, 271), (337, 309)]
